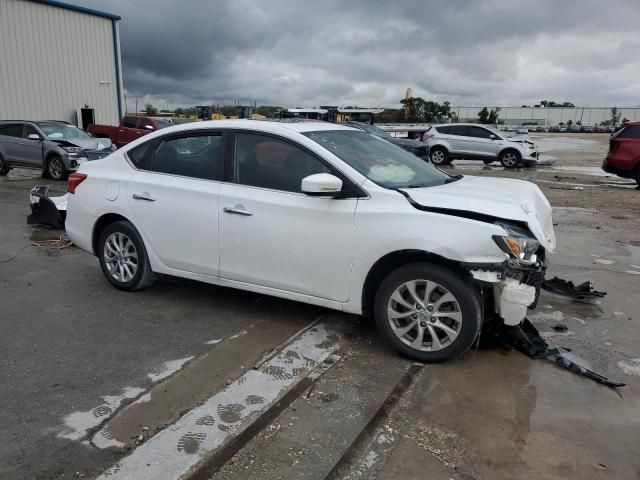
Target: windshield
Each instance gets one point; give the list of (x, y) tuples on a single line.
[(378, 132), (380, 161), (62, 131)]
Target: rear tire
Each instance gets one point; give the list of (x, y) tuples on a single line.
[(439, 156), (56, 169), (123, 257), (4, 168), (510, 159), (420, 300)]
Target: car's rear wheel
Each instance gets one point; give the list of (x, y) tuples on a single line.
[(4, 167), (123, 257), (427, 312), (56, 168), (439, 156), (510, 159), (637, 175)]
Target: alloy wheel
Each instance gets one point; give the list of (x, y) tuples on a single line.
[(437, 157), (509, 159), (424, 315), (56, 169), (120, 257)]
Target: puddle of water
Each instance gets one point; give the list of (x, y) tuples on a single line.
[(568, 143), (168, 369), (594, 171), (77, 423)]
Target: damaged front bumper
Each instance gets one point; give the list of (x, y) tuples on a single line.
[(514, 289)]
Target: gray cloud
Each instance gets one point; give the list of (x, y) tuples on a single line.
[(306, 52)]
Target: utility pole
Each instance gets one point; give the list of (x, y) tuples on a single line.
[(136, 106)]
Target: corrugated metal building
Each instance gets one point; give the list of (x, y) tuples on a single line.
[(55, 58)]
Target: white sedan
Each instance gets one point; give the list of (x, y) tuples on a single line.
[(318, 213)]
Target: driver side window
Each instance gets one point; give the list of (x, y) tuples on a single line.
[(266, 162)]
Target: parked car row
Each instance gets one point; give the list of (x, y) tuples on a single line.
[(573, 128)]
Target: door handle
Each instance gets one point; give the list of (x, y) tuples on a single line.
[(237, 210), (143, 196)]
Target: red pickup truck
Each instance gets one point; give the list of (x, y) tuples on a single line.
[(130, 128)]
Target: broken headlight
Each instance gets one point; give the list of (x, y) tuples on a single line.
[(70, 149), (518, 244)]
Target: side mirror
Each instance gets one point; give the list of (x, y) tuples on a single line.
[(148, 127), (34, 136), (321, 185), (492, 137)]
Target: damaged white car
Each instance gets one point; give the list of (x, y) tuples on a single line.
[(323, 214)]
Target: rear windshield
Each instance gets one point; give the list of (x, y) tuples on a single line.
[(630, 131), (379, 160)]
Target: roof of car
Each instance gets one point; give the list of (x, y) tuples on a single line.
[(265, 125)]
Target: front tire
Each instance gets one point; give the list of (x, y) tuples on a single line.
[(123, 257), (510, 159), (427, 312), (56, 169), (439, 156)]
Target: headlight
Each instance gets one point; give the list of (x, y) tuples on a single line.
[(522, 249), (70, 149)]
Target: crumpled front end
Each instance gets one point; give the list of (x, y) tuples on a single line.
[(510, 291)]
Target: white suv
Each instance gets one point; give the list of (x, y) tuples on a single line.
[(471, 141), (318, 213)]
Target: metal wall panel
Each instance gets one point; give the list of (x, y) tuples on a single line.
[(53, 61)]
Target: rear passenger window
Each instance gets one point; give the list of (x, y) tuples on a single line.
[(630, 131), (129, 122), (11, 130), (459, 130), (196, 156), (445, 130)]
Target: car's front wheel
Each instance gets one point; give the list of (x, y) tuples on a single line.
[(510, 159), (427, 312), (56, 169), (123, 257), (439, 156)]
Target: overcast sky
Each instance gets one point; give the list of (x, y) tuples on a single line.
[(365, 53)]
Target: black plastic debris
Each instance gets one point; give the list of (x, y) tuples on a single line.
[(526, 339), (567, 288), (43, 210)]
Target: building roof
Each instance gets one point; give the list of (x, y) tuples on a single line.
[(77, 8)]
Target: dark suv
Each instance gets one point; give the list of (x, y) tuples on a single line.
[(623, 158)]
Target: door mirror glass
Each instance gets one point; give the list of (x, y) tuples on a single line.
[(34, 136), (321, 185), (148, 127)]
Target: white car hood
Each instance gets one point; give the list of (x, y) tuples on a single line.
[(498, 197)]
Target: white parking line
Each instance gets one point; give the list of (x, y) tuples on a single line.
[(180, 447)]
